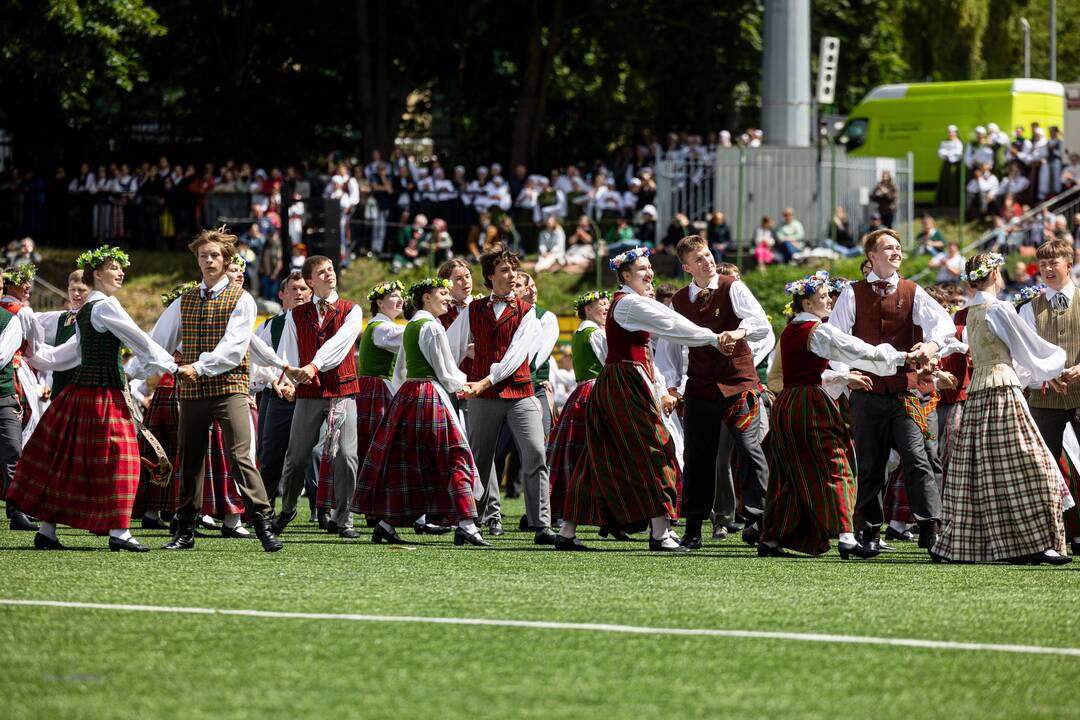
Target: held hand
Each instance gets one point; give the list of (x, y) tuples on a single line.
[(924, 352), (674, 393), (1071, 375), (475, 389), (302, 376), (945, 380), (187, 373), (46, 393), (667, 404), (857, 381), (725, 343), (288, 392), (1059, 386)]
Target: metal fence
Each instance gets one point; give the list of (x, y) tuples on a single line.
[(750, 183)]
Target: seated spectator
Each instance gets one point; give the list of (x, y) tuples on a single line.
[(254, 237), (552, 241), (981, 191), (411, 244), (789, 236), (438, 242), (1076, 230), (248, 264), (22, 252), (1070, 174), (620, 237), (1015, 183), (508, 234), (718, 235), (645, 231), (844, 244), (677, 230), (482, 234), (550, 201), (581, 252), (764, 242), (950, 265), (930, 241)]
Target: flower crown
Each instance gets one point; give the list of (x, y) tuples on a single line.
[(809, 284), (590, 297), (983, 269), (838, 285), (628, 257), (169, 298), (383, 289), (429, 284), (1027, 294), (93, 259), (20, 273), (238, 260)]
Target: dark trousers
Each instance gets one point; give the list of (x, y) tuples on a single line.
[(703, 419), (234, 416), (1051, 424), (275, 421), (879, 423), (10, 442)]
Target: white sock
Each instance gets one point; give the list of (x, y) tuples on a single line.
[(208, 519), (422, 520), (388, 528), (568, 529), (151, 515), (1076, 539), (48, 529), (232, 521), (122, 534), (468, 526), (1051, 552), (898, 526), (847, 538), (661, 530)]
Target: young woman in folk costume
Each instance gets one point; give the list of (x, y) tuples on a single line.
[(18, 283), (628, 470), (81, 466), (1012, 512), (811, 495), (419, 462), (589, 351)]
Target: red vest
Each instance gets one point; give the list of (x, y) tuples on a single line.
[(710, 373), (447, 320), (491, 340), (958, 364), (887, 319), (625, 345), (801, 367), (310, 336)]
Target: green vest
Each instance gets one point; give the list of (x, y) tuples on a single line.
[(586, 365), (416, 365), (540, 374), (7, 373), (101, 365), (65, 330), (277, 326), (374, 361)]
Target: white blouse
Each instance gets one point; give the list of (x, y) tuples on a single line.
[(830, 343), (1035, 359), (435, 347), (638, 313)]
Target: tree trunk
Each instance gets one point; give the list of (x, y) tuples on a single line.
[(365, 105), (528, 99)]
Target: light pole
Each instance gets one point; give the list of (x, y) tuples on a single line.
[(1027, 46), (1053, 39)]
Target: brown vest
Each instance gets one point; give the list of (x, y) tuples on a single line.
[(1062, 328), (710, 373), (887, 319)]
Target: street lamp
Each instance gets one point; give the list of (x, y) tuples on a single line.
[(1027, 46)]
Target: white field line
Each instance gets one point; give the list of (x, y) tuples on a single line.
[(549, 625)]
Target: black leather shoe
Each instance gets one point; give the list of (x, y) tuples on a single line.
[(152, 524), (462, 537), (615, 533), (129, 545), (751, 534), (348, 534), (719, 532), (234, 533), (571, 544), (19, 521), (928, 533), (897, 536), (323, 518), (544, 537), (381, 535), (332, 527), (691, 542), (427, 528), (658, 546), (764, 550), (936, 559), (265, 532), (523, 523), (181, 540), (1044, 559), (205, 524), (847, 550), (495, 528), (41, 542), (281, 521)]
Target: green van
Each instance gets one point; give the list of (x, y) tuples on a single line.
[(893, 120)]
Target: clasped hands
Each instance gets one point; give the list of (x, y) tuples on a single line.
[(475, 389), (725, 341), (1061, 383)]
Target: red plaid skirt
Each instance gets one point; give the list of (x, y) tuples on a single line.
[(162, 420), (372, 400), (567, 443), (418, 463), (81, 465)]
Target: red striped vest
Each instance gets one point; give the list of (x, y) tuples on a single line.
[(310, 336), (491, 340), (801, 367), (625, 345), (447, 319)]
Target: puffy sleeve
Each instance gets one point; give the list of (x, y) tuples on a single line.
[(436, 349), (108, 315), (598, 343), (1042, 360), (830, 343), (637, 313)]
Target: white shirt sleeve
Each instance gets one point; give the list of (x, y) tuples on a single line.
[(748, 310), (638, 313), (842, 316), (47, 323), (109, 315), (667, 360), (166, 332), (400, 370), (518, 351), (230, 349), (762, 348), (545, 340), (459, 335), (436, 350), (263, 355), (936, 324), (287, 347), (28, 320), (828, 342), (598, 343), (10, 341), (337, 348), (263, 332), (1043, 360), (1028, 315), (387, 336)]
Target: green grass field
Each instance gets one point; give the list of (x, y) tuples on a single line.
[(92, 663)]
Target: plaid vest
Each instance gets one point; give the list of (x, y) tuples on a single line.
[(310, 336), (202, 326), (1062, 328), (101, 365)]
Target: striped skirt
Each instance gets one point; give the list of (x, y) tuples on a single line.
[(81, 466), (628, 471), (162, 420), (1003, 498), (566, 444), (419, 462), (372, 401), (811, 495)]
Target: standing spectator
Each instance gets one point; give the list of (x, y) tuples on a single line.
[(951, 150), (978, 151), (517, 180), (296, 220), (552, 241), (271, 264), (885, 196), (57, 221), (718, 236), (789, 236)]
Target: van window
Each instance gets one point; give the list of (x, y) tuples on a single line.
[(854, 133)]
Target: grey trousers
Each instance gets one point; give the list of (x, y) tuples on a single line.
[(308, 417), (524, 419), (880, 423)]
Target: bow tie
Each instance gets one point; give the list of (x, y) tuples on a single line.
[(459, 305), (703, 295), (1060, 302), (325, 307), (502, 298), (882, 287)]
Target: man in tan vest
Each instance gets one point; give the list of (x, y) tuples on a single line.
[(1055, 315), (886, 308)]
